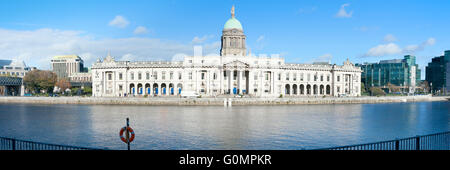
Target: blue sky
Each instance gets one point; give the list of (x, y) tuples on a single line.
[(301, 31)]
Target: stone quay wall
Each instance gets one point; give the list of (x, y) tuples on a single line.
[(171, 101)]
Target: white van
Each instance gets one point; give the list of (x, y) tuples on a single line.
[(186, 94)]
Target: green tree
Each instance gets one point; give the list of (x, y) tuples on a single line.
[(87, 90), (363, 88), (376, 91), (37, 80)]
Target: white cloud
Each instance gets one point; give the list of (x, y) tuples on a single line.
[(37, 47), (260, 38), (323, 58), (384, 49), (199, 40), (342, 13), (390, 38), (140, 30), (119, 21), (412, 49), (394, 49)]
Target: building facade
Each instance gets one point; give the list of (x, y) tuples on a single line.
[(404, 73), (14, 68), (436, 72), (230, 73), (448, 78), (63, 66), (81, 79)]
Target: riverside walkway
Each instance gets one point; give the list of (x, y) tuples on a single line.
[(437, 141), (216, 101)]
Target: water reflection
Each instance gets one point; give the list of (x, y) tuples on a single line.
[(215, 127)]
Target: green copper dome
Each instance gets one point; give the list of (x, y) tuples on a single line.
[(233, 23)]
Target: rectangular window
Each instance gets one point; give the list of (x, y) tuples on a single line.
[(147, 76), (120, 76), (120, 87), (139, 76), (132, 76), (203, 76), (163, 76), (256, 76), (338, 78), (171, 75), (279, 76), (109, 76), (155, 74), (267, 76), (179, 76), (321, 77), (215, 76), (295, 76), (301, 77), (234, 75), (287, 76), (190, 75)]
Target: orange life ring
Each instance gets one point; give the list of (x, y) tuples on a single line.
[(129, 130)]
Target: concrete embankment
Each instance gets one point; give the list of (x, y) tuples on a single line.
[(216, 101)]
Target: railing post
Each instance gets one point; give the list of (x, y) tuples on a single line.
[(13, 144), (417, 142), (397, 145)]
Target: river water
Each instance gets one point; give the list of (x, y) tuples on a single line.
[(214, 127)]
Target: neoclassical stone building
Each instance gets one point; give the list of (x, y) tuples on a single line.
[(233, 72)]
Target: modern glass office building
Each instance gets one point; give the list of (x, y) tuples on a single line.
[(399, 72), (436, 72), (64, 66)]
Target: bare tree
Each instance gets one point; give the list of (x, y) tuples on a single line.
[(63, 84)]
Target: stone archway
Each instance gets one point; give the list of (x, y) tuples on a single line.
[(139, 89), (163, 89), (322, 90), (132, 89), (315, 89), (328, 90), (171, 89), (308, 89), (302, 89), (179, 88), (155, 89), (147, 89), (287, 89)]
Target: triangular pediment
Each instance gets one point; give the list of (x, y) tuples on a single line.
[(236, 64)]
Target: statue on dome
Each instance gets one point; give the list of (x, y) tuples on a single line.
[(232, 11)]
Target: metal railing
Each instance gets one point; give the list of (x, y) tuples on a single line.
[(15, 144), (438, 141)]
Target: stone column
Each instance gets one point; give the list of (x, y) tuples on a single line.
[(220, 76), (272, 79), (239, 81), (230, 77), (250, 78), (22, 90)]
